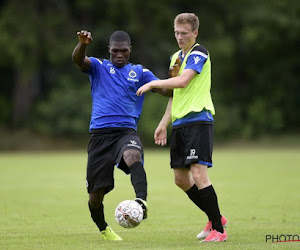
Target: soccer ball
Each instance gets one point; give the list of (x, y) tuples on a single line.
[(129, 214)]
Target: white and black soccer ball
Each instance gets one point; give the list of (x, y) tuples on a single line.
[(129, 214)]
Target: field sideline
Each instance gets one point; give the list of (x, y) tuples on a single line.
[(44, 202)]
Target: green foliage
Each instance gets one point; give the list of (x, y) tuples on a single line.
[(228, 122), (66, 111), (4, 109), (254, 48), (255, 68)]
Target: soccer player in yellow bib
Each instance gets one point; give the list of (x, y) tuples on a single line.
[(191, 111)]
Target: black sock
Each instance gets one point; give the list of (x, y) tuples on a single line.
[(139, 180), (193, 194), (209, 196), (97, 215)]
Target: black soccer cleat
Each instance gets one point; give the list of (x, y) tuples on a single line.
[(144, 206)]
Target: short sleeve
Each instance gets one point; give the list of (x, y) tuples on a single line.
[(197, 58), (94, 63), (148, 76)]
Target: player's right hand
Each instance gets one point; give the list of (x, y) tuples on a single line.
[(160, 136), (84, 37)]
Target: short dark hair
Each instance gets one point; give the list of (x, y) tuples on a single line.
[(120, 36)]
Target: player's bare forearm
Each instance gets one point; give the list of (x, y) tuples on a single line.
[(79, 53), (164, 92), (160, 134), (157, 84), (166, 119), (173, 72), (171, 83)]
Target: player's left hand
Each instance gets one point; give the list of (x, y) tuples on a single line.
[(145, 88), (174, 70)]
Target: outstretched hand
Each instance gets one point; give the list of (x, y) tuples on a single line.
[(84, 37), (145, 88)]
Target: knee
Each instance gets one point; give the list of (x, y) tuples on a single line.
[(96, 199), (178, 182), (202, 180), (131, 156), (182, 183)]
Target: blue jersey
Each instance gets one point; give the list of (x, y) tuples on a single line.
[(113, 91)]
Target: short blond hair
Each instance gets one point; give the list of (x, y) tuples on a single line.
[(189, 18)]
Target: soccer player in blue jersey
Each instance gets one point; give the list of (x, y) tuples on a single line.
[(115, 113), (190, 111)]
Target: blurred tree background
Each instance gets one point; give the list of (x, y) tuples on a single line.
[(254, 47)]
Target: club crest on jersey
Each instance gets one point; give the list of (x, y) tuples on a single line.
[(197, 59), (132, 75)]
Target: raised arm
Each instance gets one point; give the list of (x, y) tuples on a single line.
[(79, 53)]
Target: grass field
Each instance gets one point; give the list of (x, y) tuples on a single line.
[(44, 202)]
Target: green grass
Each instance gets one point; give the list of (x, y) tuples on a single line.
[(43, 202)]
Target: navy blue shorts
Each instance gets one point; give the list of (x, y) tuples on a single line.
[(105, 150), (190, 144)]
